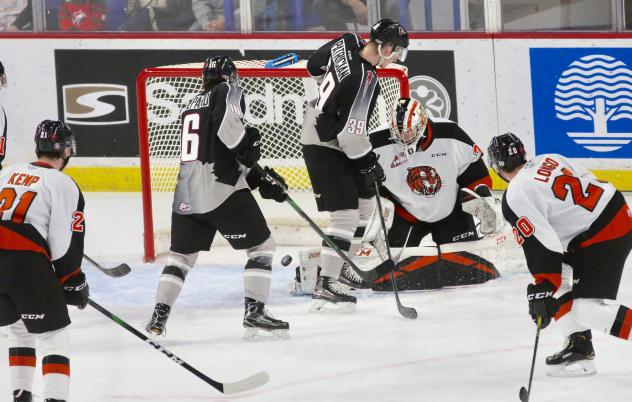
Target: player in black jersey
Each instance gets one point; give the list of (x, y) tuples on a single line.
[(3, 119), (41, 249), (341, 165), (213, 195)]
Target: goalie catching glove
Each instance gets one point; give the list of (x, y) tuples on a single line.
[(271, 185), (485, 207)]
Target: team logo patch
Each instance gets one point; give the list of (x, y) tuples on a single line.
[(424, 180), (399, 159), (477, 151)]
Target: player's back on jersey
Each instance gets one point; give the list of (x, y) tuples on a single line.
[(212, 131)]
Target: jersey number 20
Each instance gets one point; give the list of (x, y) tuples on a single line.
[(588, 200)]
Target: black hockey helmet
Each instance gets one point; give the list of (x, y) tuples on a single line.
[(219, 68), (505, 153), (3, 77), (53, 136), (387, 31)]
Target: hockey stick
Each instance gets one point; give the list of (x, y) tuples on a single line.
[(408, 312), (524, 392), (246, 384), (379, 271), (114, 272)]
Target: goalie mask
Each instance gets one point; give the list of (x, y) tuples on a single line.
[(220, 68), (392, 40), (505, 153), (53, 137), (408, 122)]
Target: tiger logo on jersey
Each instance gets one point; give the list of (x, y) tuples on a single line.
[(424, 180)]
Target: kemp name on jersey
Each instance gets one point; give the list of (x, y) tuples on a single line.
[(426, 179), (41, 210)]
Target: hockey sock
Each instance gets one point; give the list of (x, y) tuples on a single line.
[(258, 271), (55, 364), (21, 357), (173, 276), (622, 323), (341, 230)]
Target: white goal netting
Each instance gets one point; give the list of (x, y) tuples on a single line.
[(275, 104)]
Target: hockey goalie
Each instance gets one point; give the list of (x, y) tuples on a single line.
[(436, 184)]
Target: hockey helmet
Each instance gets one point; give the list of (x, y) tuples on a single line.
[(390, 34), (54, 136), (505, 153), (220, 68), (408, 121), (3, 77)]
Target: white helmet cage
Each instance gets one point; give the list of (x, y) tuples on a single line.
[(408, 121)]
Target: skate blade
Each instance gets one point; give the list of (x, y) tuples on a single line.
[(581, 368), (325, 307), (262, 335)]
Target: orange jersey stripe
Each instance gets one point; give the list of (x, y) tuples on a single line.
[(22, 361), (564, 309), (619, 226), (56, 368), (9, 240)]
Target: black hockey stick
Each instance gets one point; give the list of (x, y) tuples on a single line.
[(379, 271), (524, 392), (408, 312), (114, 272), (246, 384)]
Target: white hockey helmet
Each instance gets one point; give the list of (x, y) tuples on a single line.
[(408, 121)]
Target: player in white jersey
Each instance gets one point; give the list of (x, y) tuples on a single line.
[(576, 233), (41, 249), (3, 119)]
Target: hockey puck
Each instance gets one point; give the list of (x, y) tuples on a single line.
[(287, 260)]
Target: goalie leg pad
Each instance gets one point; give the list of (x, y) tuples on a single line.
[(258, 271), (306, 273)]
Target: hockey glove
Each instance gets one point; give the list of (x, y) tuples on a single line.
[(541, 302), (273, 186), (77, 291), (486, 209), (250, 151), (370, 170)]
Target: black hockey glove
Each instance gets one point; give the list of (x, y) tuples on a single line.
[(541, 302), (273, 186), (370, 169), (77, 291), (250, 151)]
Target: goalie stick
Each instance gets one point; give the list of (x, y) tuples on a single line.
[(114, 272), (379, 271), (247, 384), (408, 312), (524, 392)]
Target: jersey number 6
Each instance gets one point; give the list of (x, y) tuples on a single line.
[(190, 137)]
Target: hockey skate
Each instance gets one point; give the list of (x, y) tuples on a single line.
[(260, 325), (332, 297), (157, 325), (21, 395), (576, 359), (349, 277)]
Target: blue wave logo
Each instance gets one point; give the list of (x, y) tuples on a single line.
[(596, 88)]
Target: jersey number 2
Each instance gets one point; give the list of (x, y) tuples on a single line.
[(588, 200), (190, 137), (7, 198)]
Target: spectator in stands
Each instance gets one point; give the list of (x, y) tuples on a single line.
[(158, 15), (13, 16), (342, 15), (209, 14), (82, 15)]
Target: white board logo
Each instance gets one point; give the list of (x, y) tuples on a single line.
[(599, 88), (432, 95), (95, 104)]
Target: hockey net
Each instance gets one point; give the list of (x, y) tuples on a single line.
[(275, 103)]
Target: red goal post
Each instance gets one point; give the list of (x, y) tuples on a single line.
[(275, 102)]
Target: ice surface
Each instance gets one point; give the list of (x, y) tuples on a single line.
[(470, 344)]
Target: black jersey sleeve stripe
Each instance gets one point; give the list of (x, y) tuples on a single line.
[(381, 138), (71, 260), (476, 173)]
